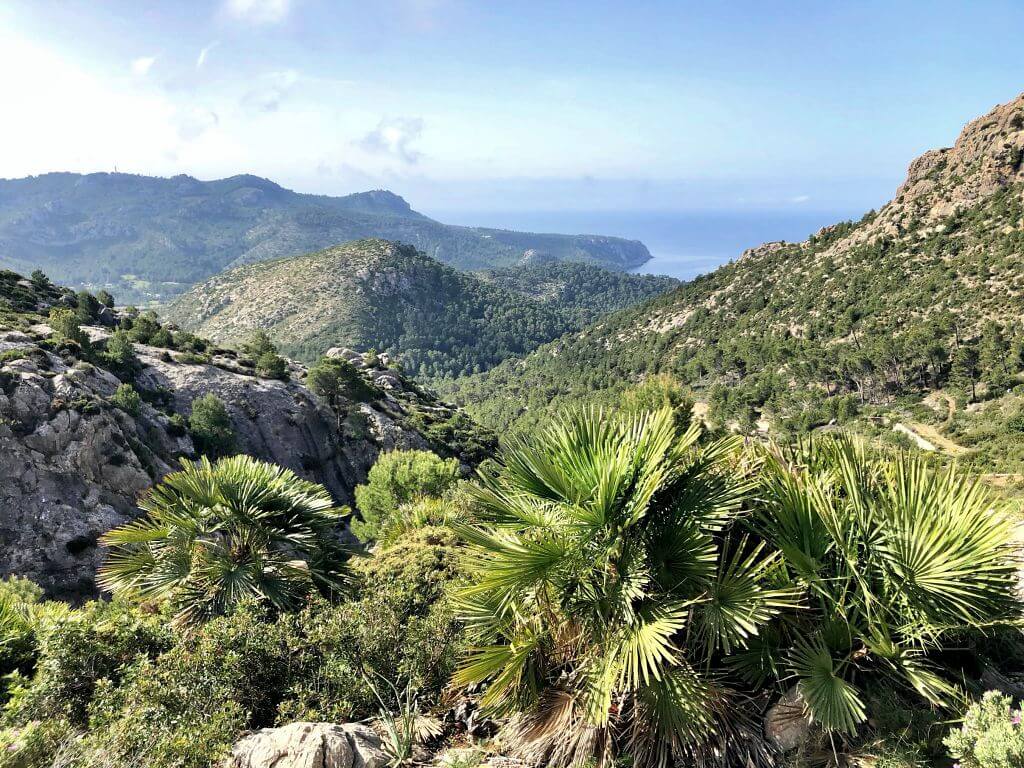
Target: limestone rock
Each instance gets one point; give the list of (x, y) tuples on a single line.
[(309, 745), (786, 723), (72, 465)]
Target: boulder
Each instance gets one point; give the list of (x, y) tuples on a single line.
[(309, 745), (787, 723)]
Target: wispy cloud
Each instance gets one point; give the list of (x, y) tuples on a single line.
[(142, 65), (203, 54), (193, 122), (271, 91), (395, 136), (259, 11), (800, 199)]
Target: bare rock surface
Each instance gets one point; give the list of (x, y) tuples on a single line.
[(786, 723), (309, 745)]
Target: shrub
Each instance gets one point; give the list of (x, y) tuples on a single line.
[(40, 744), (87, 306), (120, 354), (248, 530), (66, 326), (335, 380), (399, 477), (896, 557), (402, 628), (991, 736), (258, 344), (271, 366), (211, 427), (105, 298), (606, 590), (186, 707), (96, 642), (127, 399)]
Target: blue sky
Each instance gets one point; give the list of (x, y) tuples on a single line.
[(508, 105)]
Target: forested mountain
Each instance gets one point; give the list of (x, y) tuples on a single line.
[(926, 293), (436, 320), (150, 238)]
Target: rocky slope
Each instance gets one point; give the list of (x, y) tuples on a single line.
[(900, 300), (150, 238), (72, 463), (435, 320)]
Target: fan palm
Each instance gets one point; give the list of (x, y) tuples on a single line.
[(608, 586), (217, 534), (896, 555)]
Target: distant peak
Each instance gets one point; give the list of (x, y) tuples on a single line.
[(379, 200)]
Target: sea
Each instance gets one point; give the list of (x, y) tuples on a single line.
[(683, 244)]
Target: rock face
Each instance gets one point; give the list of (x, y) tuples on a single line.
[(309, 745), (786, 723), (72, 464)]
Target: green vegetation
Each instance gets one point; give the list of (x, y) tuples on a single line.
[(162, 235), (434, 320), (337, 380), (119, 685), (635, 589), (210, 426), (127, 399), (801, 334), (602, 542), (992, 735), (247, 530), (399, 478)]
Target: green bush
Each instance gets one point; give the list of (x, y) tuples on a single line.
[(210, 425), (272, 366), (66, 326), (120, 354), (127, 399), (403, 627), (399, 477), (335, 380), (98, 641), (991, 736), (41, 744)]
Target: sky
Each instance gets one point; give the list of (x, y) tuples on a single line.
[(528, 105)]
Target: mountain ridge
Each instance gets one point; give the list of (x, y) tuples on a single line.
[(436, 320), (913, 297), (148, 238)]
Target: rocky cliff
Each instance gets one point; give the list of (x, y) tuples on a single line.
[(73, 463)]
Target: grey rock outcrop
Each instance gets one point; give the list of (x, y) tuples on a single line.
[(72, 464), (309, 745)]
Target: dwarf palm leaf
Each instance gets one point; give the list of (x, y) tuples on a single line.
[(215, 535), (597, 548), (896, 555)]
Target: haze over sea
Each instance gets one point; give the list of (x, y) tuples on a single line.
[(683, 244)]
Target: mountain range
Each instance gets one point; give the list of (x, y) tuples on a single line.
[(149, 238)]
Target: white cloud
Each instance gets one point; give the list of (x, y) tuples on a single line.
[(203, 54), (272, 89), (394, 137), (800, 199), (259, 11), (142, 65)]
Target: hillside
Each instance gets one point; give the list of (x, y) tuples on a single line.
[(76, 451), (150, 238), (373, 294), (924, 294)]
